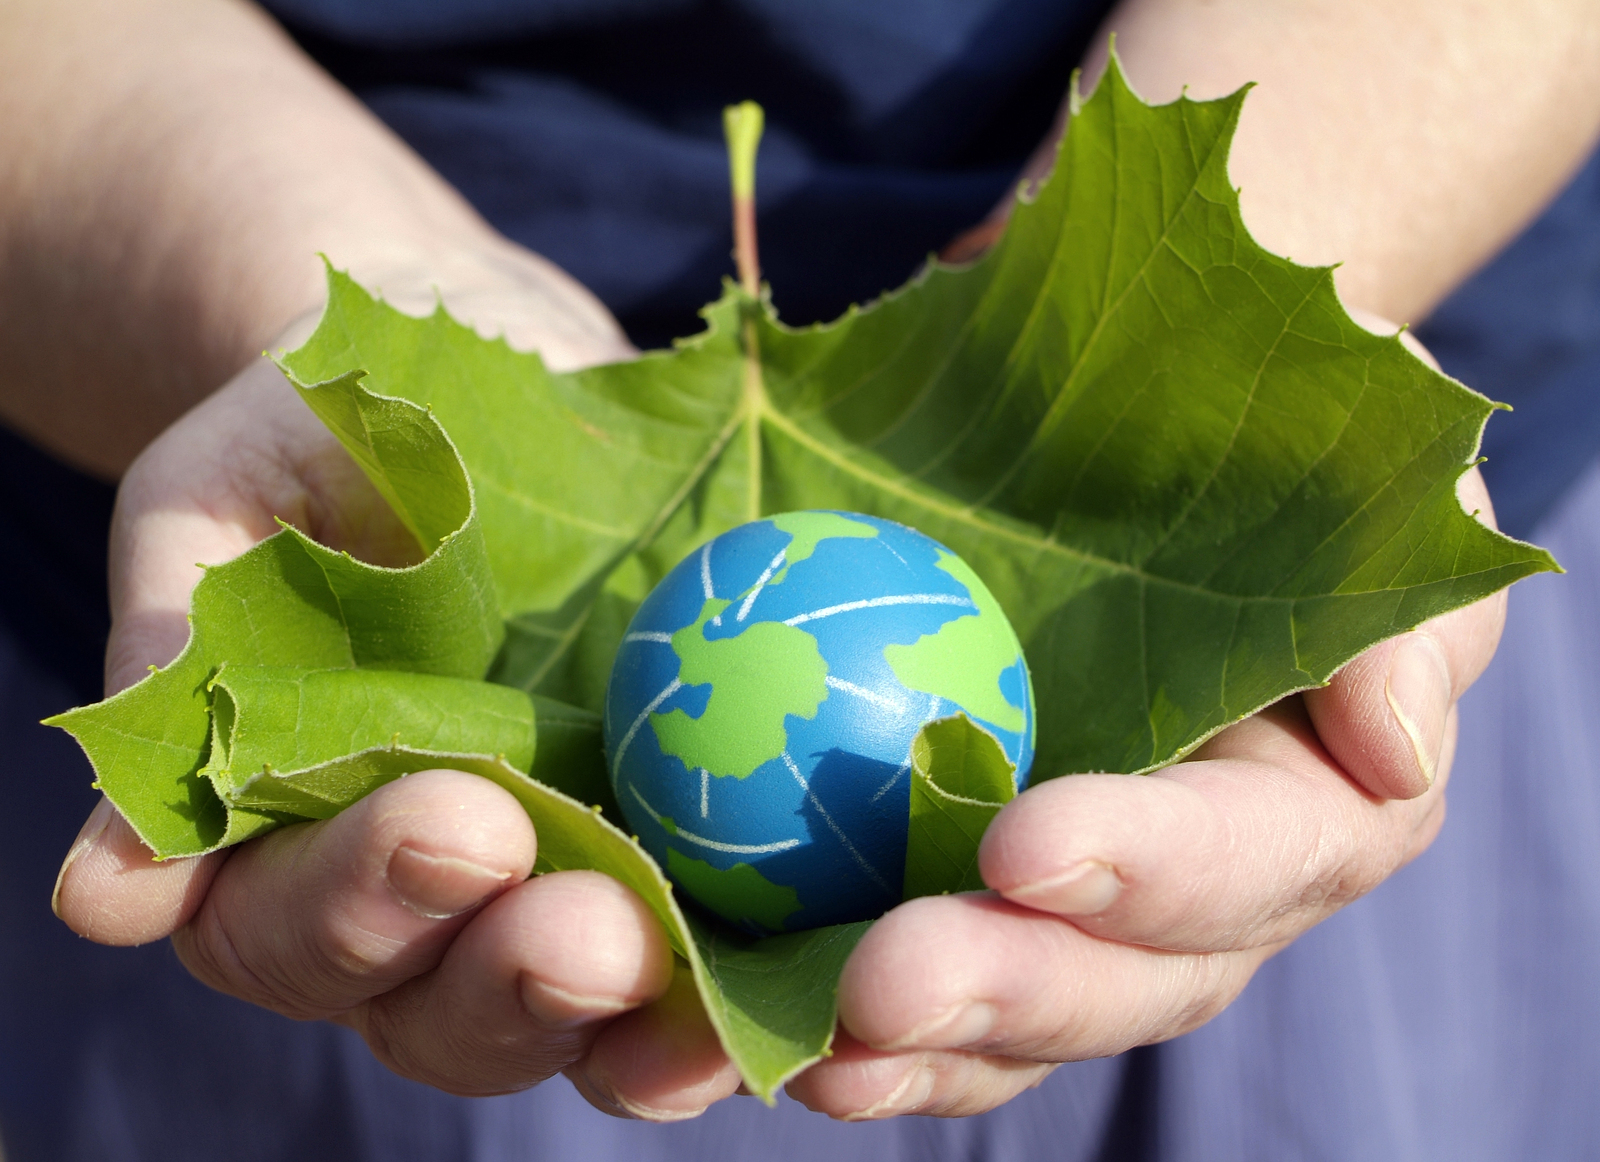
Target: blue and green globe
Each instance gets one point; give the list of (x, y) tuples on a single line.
[(762, 707)]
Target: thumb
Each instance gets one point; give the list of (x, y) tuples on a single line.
[(110, 888), (202, 493), (1385, 716), (205, 491), (157, 558)]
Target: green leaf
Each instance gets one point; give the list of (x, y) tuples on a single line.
[(1191, 481), (590, 486), (960, 778), (773, 1000), (310, 679)]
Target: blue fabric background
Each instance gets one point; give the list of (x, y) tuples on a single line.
[(1450, 1015)]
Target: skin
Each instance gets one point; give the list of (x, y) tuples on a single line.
[(166, 178)]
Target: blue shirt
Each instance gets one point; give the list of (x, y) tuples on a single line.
[(1450, 1015)]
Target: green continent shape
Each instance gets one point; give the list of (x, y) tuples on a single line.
[(740, 893), (964, 660), (807, 530), (758, 679)]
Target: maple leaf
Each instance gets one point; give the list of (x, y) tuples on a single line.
[(1194, 484)]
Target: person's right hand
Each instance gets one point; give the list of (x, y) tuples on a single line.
[(410, 916)]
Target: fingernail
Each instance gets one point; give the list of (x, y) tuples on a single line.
[(560, 1008), (1085, 889), (437, 887), (600, 1093), (93, 827), (1418, 690), (955, 1028), (655, 1114), (915, 1088)]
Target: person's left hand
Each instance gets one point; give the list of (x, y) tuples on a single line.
[(1130, 910)]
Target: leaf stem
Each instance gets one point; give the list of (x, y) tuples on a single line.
[(742, 125), (755, 398)]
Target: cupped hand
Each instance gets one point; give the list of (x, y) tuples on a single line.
[(409, 917), (1126, 911)]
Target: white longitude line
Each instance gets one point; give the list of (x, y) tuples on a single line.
[(871, 871), (672, 688), (877, 602), (761, 583), (715, 845), (795, 771), (895, 778), (933, 713), (862, 692), (705, 793), (705, 572), (648, 636)]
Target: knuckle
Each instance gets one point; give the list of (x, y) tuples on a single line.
[(1352, 856), (1200, 989), (208, 950), (409, 1031), (384, 1022), (1326, 893), (1344, 864), (339, 949), (307, 979)]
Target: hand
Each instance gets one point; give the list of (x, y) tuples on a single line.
[(1131, 910), (410, 916), (1156, 897)]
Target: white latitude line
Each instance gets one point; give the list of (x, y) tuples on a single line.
[(648, 636), (876, 602), (761, 583), (862, 692), (672, 688), (714, 845), (871, 871)]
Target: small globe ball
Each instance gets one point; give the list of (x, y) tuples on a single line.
[(761, 710)]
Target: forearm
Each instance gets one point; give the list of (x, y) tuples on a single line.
[(170, 170), (1406, 139)]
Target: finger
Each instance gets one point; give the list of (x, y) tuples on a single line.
[(112, 890), (661, 1063), (315, 918), (857, 1083), (524, 988), (1251, 845), (1382, 716), (976, 973)]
